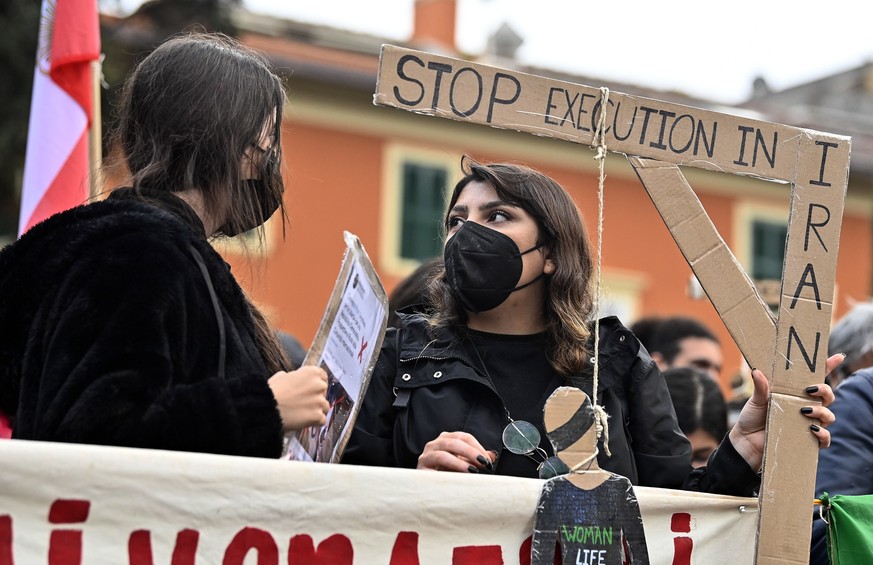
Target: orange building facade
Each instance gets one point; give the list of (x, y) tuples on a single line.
[(345, 161)]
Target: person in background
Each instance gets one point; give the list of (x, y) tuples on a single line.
[(700, 409), (852, 336), (680, 341), (847, 467), (294, 350), (463, 388), (411, 293), (121, 325)]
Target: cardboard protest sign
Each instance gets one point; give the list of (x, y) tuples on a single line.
[(470, 92), (346, 346), (85, 504), (659, 137)]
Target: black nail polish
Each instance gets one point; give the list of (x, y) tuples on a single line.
[(811, 389), (806, 410), (484, 461), (814, 428), (472, 469)]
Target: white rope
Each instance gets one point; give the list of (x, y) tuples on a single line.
[(586, 463), (600, 414)]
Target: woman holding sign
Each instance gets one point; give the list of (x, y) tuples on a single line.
[(121, 325), (464, 389)]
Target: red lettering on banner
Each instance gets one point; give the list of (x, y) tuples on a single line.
[(478, 555), (524, 552), (65, 546), (680, 522), (139, 548), (186, 547), (248, 539), (6, 540), (405, 550), (335, 550)]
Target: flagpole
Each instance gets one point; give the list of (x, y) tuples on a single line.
[(95, 134)]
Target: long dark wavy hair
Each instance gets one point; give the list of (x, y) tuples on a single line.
[(189, 113), (569, 296)]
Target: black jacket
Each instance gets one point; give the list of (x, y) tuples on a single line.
[(122, 326), (424, 385)]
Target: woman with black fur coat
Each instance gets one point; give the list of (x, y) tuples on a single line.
[(121, 325)]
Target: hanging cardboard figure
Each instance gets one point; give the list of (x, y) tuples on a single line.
[(592, 513)]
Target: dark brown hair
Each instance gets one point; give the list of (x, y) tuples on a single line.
[(189, 113), (698, 402)]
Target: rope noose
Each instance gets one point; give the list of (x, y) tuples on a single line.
[(600, 414)]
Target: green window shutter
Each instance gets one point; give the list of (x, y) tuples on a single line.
[(422, 212), (768, 249)]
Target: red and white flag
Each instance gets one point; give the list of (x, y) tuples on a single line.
[(56, 166)]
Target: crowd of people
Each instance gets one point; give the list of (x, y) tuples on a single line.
[(123, 326)]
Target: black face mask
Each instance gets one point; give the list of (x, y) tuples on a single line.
[(263, 202), (483, 266)]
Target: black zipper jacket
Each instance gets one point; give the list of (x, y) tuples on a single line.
[(425, 384)]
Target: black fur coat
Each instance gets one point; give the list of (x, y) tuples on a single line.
[(120, 325)]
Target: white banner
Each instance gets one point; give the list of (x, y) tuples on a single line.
[(69, 504)]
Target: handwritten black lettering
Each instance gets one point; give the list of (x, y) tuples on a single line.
[(475, 106), (582, 110), (825, 145), (630, 127), (815, 225), (741, 159), (495, 100), (760, 143), (660, 143), (674, 147), (792, 335), (569, 112), (402, 74), (809, 271), (648, 112), (440, 68), (550, 106), (701, 135)]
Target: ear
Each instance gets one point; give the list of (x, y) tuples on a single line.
[(549, 267)]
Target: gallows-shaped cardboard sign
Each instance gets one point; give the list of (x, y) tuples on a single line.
[(658, 137)]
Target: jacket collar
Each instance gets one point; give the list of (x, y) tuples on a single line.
[(419, 340), (618, 348)]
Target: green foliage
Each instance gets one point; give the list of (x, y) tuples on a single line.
[(19, 20)]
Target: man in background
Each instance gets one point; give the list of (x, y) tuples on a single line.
[(680, 341), (852, 335)]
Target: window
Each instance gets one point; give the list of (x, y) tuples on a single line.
[(415, 190), (768, 249), (760, 231), (622, 294), (423, 189)]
